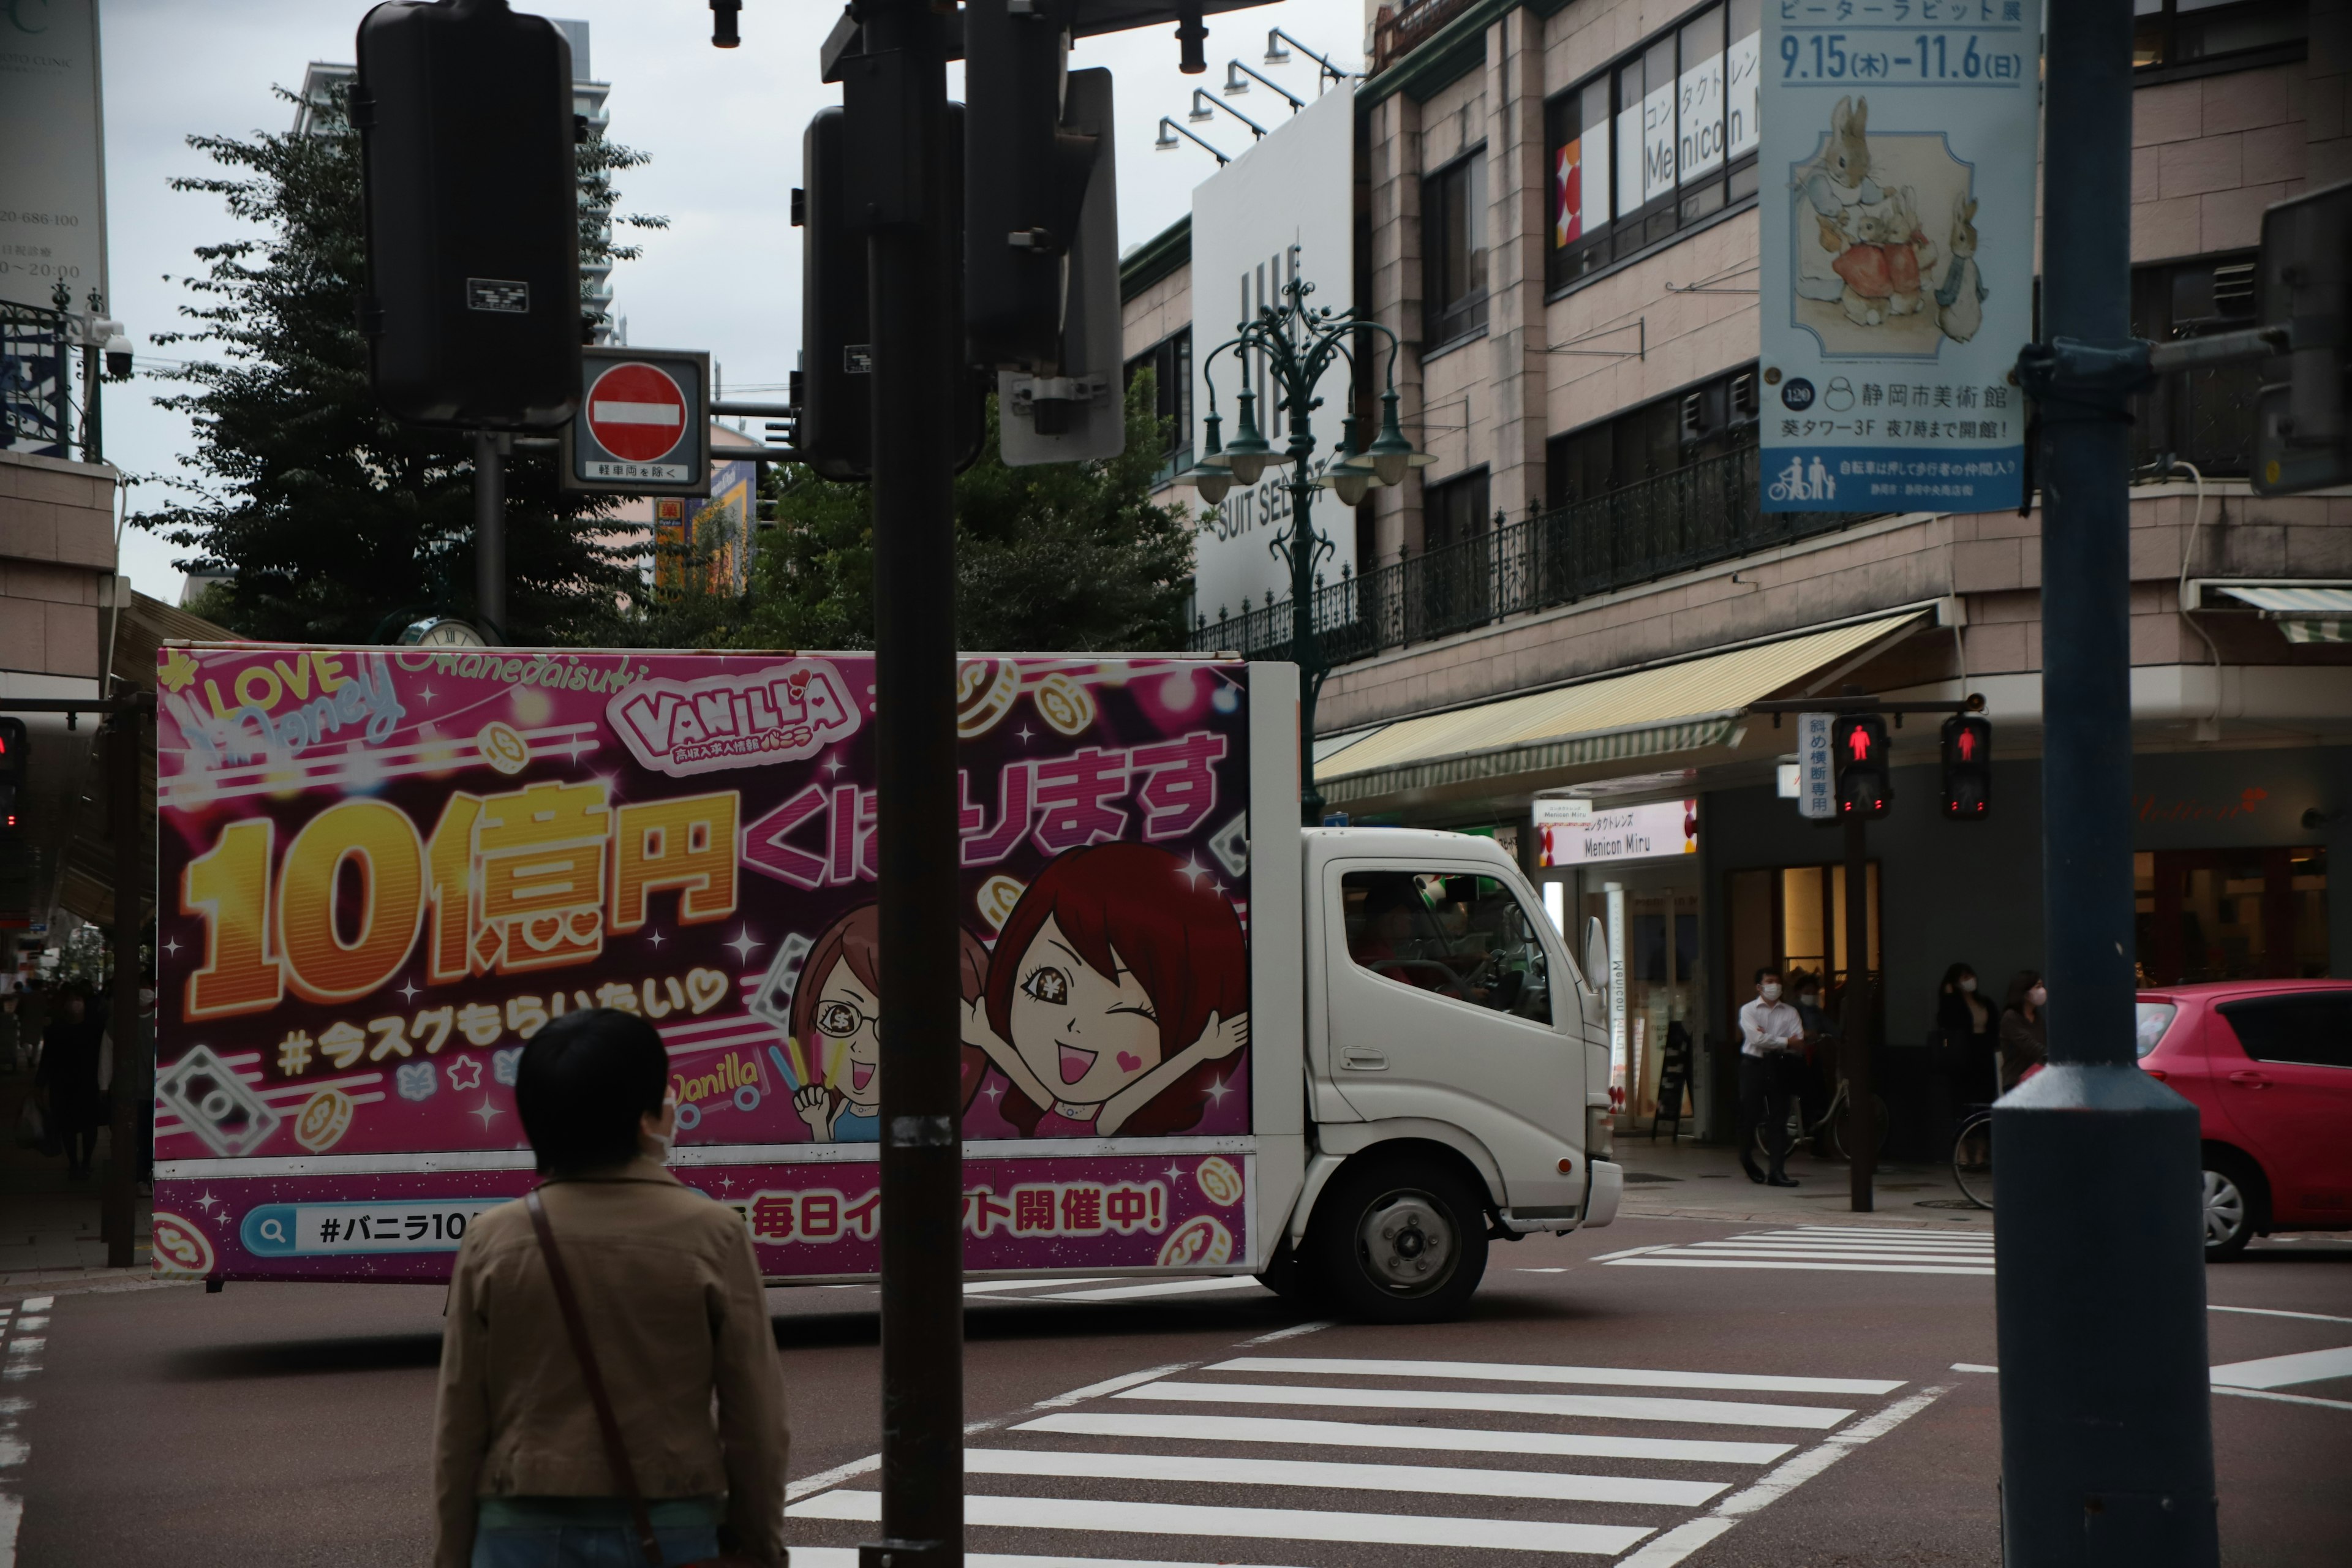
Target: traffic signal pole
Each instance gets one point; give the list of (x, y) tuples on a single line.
[(894, 91), (491, 449), (2107, 1431), (1854, 1046)]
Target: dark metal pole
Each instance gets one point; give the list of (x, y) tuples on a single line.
[(896, 96), (119, 1218), (490, 533), (2107, 1429), (1853, 1048), (1306, 649)]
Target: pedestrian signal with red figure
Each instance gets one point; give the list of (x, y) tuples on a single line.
[(1968, 767), (1865, 786)]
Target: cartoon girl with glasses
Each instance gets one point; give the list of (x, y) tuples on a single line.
[(1116, 996), (837, 1019)]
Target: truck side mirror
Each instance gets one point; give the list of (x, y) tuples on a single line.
[(1596, 955)]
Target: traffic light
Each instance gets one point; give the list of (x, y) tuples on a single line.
[(12, 762), (1866, 785), (1968, 767), (2302, 423), (471, 207)]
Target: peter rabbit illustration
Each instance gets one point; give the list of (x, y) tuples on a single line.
[(1910, 254), (1959, 302), (1834, 188)]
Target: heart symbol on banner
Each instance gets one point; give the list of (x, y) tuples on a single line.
[(704, 987), (1130, 1062)]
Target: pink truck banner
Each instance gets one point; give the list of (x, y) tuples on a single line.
[(382, 870)]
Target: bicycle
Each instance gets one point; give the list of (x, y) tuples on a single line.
[(1972, 1155), (1827, 1136)]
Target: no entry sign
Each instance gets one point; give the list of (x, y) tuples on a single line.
[(643, 425)]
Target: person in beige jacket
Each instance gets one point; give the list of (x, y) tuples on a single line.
[(670, 1292)]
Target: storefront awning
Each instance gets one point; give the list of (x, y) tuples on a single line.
[(1681, 707), (2305, 615)]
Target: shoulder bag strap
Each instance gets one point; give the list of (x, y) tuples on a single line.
[(575, 1327)]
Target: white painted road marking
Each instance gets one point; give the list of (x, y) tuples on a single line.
[(1161, 1287), (1685, 1538), (1702, 1261), (2277, 1313), (997, 1287), (1441, 1480), (1607, 1407), (1508, 1371), (1426, 1440), (846, 1557), (2285, 1371), (1829, 1249), (1254, 1523)]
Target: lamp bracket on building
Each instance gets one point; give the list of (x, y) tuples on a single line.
[(1640, 351), (1714, 285)]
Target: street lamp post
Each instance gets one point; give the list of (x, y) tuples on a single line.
[(1296, 344)]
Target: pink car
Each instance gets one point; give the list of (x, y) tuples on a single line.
[(2269, 1064)]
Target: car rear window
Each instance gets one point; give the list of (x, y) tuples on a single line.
[(2155, 1019), (2311, 1026)]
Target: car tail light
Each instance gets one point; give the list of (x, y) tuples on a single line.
[(2156, 1073)]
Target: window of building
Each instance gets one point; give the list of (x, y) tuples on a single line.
[(1793, 919), (1455, 511), (2172, 33), (2231, 914), (1712, 419), (2206, 417), (1170, 361), (1664, 138), (1453, 249)]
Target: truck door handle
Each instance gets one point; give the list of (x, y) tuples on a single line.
[(2252, 1079), (1363, 1061)]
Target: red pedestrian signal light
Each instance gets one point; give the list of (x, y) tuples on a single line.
[(1865, 784), (14, 760), (1968, 767)]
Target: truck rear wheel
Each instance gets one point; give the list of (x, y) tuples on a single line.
[(1399, 1241)]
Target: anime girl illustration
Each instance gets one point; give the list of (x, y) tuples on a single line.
[(1117, 992), (838, 1023)]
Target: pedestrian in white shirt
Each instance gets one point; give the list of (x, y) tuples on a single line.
[(1769, 1033)]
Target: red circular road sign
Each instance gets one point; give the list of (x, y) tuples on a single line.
[(637, 412)]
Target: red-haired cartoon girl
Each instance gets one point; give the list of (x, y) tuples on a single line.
[(837, 1019), (1119, 988)]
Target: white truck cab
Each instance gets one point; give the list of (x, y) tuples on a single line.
[(1457, 1073)]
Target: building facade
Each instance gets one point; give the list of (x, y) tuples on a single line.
[(1579, 600)]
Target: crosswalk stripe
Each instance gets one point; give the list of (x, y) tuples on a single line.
[(2285, 1371), (1659, 1261), (1252, 1523), (1881, 1233), (1903, 1241), (995, 1287), (1608, 1406), (1441, 1480), (846, 1557), (1513, 1372), (1425, 1439), (1160, 1287)]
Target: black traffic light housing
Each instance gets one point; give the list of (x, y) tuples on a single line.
[(1025, 169), (1968, 767), (2302, 421), (15, 758), (471, 197), (1865, 784)]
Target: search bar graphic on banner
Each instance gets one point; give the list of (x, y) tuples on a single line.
[(292, 1230)]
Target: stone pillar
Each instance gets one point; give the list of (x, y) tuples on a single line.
[(1514, 260), (1395, 155)]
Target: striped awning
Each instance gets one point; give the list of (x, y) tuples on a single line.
[(2305, 615), (1682, 707)]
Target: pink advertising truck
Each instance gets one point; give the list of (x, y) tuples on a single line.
[(1339, 1059)]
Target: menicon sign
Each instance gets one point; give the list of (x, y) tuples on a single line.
[(637, 412)]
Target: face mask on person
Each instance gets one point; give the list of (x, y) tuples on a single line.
[(1769, 991), (2039, 996), (1809, 999), (1967, 983)]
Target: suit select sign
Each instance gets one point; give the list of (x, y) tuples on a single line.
[(1627, 833)]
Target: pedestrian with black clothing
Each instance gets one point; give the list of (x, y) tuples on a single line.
[(2024, 1032), (67, 1075), (1971, 1028)]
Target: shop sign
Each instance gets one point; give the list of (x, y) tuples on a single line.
[(1897, 253), (1553, 812), (1629, 833), (1816, 767)]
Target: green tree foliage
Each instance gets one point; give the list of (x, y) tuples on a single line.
[(1062, 556), (338, 522)]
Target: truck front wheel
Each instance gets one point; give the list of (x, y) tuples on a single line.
[(1399, 1241)]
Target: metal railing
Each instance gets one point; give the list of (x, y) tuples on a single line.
[(1692, 517), (36, 380)]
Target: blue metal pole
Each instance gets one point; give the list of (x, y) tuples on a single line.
[(2107, 1431)]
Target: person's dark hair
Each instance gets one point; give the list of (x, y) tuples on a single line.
[(1952, 977), (2023, 981), (583, 1081), (1772, 970)]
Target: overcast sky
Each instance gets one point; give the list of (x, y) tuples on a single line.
[(723, 128)]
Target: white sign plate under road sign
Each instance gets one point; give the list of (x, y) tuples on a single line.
[(1816, 767), (643, 425)]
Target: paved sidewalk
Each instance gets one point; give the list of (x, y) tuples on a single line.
[(50, 1228), (1675, 1178)]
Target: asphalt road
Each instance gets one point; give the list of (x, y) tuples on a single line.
[(1707, 1401)]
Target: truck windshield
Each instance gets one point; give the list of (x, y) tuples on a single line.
[(1467, 937)]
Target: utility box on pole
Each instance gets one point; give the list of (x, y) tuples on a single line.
[(471, 309)]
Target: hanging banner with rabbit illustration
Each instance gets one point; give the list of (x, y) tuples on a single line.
[(384, 870), (1899, 141)]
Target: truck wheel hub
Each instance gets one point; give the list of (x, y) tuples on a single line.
[(1407, 1242)]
